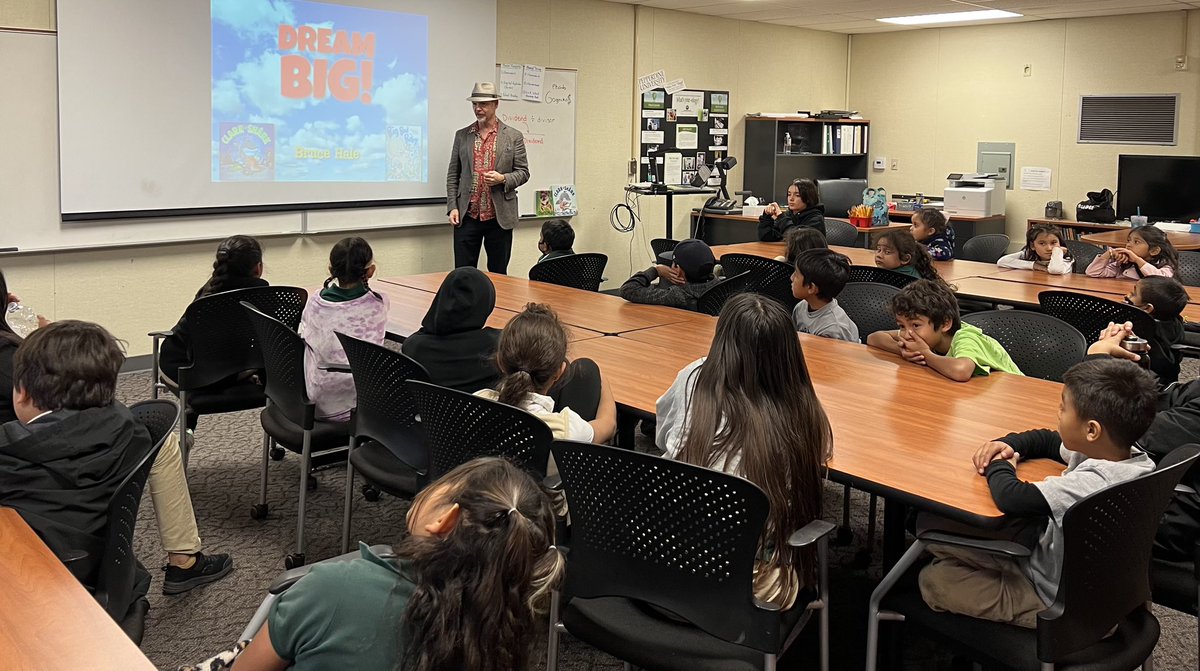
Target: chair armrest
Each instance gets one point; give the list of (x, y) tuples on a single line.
[(552, 483), (811, 533), (161, 334), (289, 578), (989, 545), (1186, 350), (763, 605), (394, 337), (1184, 489), (334, 367)]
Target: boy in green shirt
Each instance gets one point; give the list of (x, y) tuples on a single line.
[(931, 334)]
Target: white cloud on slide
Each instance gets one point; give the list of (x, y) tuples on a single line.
[(330, 135), (255, 19), (255, 84), (403, 99)]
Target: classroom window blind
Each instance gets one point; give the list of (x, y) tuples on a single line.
[(1129, 119)]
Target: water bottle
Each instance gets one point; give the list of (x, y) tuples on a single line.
[(1140, 347), (21, 319), (787, 143)]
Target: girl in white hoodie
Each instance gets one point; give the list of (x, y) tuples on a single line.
[(1043, 251)]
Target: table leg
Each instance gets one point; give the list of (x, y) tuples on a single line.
[(670, 220), (626, 426), (894, 515)]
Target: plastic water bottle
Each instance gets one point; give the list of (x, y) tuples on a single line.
[(787, 143), (22, 319)]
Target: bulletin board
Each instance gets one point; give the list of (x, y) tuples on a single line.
[(693, 124)]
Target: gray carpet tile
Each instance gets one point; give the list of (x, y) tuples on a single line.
[(224, 480)]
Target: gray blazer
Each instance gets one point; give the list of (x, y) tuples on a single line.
[(511, 161)]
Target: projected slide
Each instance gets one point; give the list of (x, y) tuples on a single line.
[(315, 92)]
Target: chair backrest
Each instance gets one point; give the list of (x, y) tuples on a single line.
[(880, 276), (578, 271), (661, 245), (868, 304), (768, 277), (283, 357), (223, 343), (839, 195), (986, 248), (713, 299), (118, 567), (1189, 269), (1082, 254), (1106, 557), (1090, 314), (678, 536), (1042, 346), (838, 232), (460, 427), (385, 412)]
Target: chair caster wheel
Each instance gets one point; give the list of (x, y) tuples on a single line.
[(844, 536), (312, 483), (294, 560), (371, 493), (277, 454), (259, 511)]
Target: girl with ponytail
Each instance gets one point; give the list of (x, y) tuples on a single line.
[(346, 305), (462, 591), (570, 397)]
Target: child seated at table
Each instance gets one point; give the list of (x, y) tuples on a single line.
[(799, 238), (557, 239), (572, 398), (1164, 299), (929, 227), (749, 408), (1107, 404), (804, 209), (678, 285), (931, 334), (1043, 252), (900, 252), (454, 342), (1147, 252), (820, 276)]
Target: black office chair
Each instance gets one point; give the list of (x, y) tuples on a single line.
[(868, 304), (650, 533), (713, 298), (289, 420), (661, 246), (387, 444), (839, 195), (1189, 269), (1082, 253), (578, 271), (118, 567), (987, 248), (1042, 346), (838, 232), (769, 277), (1104, 584), (1091, 315), (460, 427), (880, 276), (223, 345)]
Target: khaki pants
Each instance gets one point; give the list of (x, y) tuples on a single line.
[(979, 584), (172, 502)]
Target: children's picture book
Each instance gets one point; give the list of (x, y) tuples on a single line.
[(545, 203), (564, 200)]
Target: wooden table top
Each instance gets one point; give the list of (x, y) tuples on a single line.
[(892, 449), (949, 270), (584, 309), (48, 621), (1184, 241), (999, 289), (1081, 282), (907, 215), (893, 226)]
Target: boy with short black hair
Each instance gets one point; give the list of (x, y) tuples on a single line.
[(932, 334), (1164, 299), (1107, 404), (678, 285), (557, 239), (820, 276)]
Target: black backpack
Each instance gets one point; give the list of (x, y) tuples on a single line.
[(1097, 209)]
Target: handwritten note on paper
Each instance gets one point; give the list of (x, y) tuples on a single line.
[(1035, 179), (654, 80), (531, 84), (510, 81)]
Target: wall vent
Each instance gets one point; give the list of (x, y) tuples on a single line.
[(1129, 119)]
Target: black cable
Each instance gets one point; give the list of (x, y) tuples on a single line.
[(614, 215)]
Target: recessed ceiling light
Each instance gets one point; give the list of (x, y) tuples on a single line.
[(951, 17)]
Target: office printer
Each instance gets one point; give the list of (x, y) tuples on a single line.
[(974, 194)]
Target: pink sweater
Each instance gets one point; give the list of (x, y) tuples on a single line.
[(1102, 267), (364, 318)]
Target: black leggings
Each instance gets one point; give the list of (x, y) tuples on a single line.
[(578, 389)]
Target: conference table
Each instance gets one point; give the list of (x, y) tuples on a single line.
[(1181, 241), (48, 621), (949, 270)]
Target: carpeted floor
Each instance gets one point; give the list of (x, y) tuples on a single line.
[(224, 480)]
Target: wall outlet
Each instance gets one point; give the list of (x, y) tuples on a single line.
[(895, 164), (880, 163), (1181, 62)]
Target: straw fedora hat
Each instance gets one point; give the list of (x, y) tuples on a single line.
[(483, 92)]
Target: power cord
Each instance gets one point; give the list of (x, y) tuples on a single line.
[(632, 211)]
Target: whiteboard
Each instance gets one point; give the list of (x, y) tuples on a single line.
[(549, 130)]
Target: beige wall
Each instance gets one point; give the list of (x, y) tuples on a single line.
[(932, 94)]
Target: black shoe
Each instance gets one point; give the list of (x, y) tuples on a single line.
[(207, 569)]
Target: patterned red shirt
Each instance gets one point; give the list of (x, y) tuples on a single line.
[(481, 207)]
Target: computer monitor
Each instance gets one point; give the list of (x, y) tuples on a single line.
[(1164, 187)]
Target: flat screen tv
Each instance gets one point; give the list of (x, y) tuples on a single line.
[(1166, 188)]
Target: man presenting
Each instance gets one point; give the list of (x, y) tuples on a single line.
[(487, 164)]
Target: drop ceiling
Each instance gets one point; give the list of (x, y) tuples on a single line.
[(858, 16)]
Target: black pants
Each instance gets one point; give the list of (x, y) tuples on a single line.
[(496, 240), (578, 389)]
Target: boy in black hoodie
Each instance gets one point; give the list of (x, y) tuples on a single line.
[(72, 444), (679, 285), (1164, 299), (453, 343)]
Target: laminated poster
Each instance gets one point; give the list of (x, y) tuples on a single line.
[(687, 135)]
